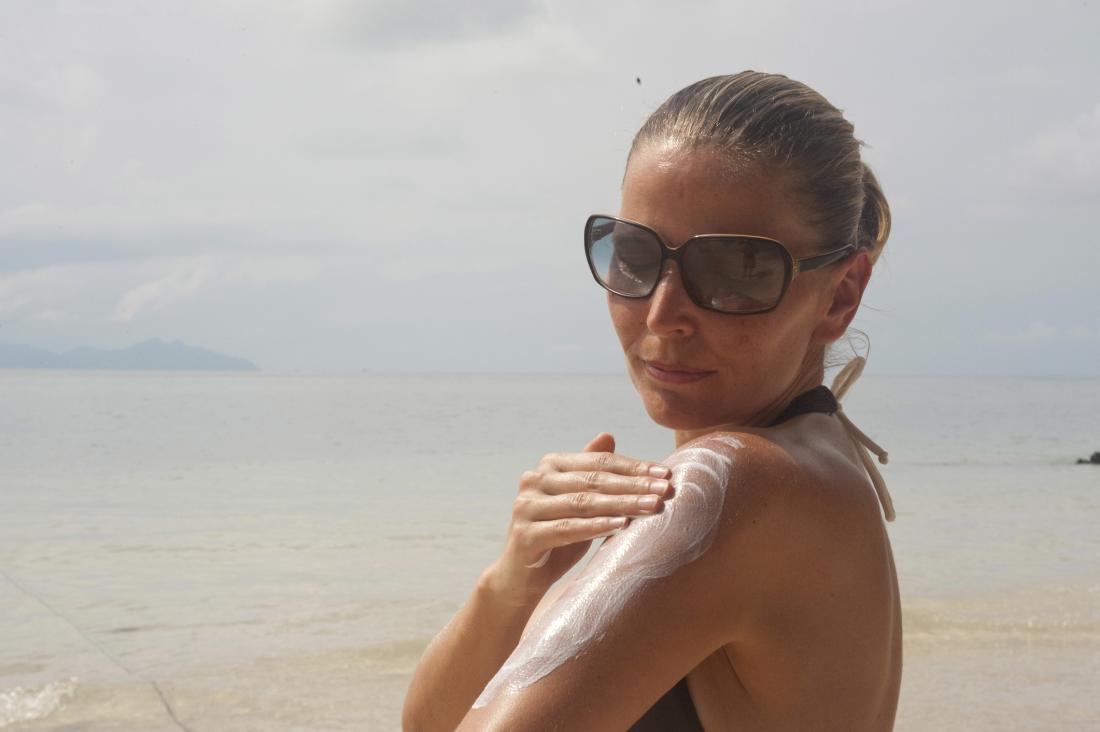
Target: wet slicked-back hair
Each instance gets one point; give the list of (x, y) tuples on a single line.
[(766, 121)]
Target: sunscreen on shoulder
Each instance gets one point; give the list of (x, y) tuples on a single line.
[(647, 548)]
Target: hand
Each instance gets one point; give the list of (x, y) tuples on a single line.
[(566, 502)]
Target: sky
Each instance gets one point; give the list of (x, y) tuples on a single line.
[(334, 186)]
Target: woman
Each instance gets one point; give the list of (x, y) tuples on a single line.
[(753, 586)]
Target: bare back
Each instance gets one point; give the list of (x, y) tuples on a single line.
[(837, 652)]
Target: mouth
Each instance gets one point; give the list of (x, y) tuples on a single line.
[(673, 373)]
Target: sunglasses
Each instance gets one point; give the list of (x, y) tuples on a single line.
[(728, 273)]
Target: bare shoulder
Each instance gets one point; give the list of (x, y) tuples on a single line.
[(794, 523), (804, 478)]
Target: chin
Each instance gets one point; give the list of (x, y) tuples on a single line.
[(675, 414), (666, 408)]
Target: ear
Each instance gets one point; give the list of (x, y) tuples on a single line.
[(847, 293)]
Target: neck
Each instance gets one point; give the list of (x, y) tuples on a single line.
[(765, 416)]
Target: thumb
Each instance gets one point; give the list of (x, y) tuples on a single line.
[(604, 442)]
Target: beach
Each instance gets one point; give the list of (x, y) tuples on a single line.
[(228, 551)]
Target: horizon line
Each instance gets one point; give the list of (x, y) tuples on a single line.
[(260, 371)]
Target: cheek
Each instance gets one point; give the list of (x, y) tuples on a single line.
[(735, 336), (751, 346), (627, 316)]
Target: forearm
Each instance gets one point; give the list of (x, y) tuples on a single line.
[(463, 657)]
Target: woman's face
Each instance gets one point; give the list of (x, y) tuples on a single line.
[(742, 369)]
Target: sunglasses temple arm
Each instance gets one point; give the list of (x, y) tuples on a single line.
[(828, 258)]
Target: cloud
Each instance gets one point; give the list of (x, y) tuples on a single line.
[(404, 267), (345, 142), (20, 290), (428, 53), (1025, 76), (189, 277), (387, 145), (37, 235), (52, 316), (1040, 333), (387, 23), (84, 291), (62, 87), (178, 285), (1061, 160)]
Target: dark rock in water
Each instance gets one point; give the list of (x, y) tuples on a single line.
[(1094, 460)]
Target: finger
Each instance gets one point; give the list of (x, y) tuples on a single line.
[(594, 481), (611, 462), (587, 505), (563, 532), (603, 442)]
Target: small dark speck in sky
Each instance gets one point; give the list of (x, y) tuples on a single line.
[(638, 79)]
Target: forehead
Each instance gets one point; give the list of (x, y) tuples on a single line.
[(681, 193)]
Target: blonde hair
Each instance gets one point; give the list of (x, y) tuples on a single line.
[(759, 119)]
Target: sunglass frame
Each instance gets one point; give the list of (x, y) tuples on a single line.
[(792, 267)]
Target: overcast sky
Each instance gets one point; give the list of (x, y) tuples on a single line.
[(401, 186)]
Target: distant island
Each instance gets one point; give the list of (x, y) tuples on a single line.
[(154, 354)]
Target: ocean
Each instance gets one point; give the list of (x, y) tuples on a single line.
[(224, 551)]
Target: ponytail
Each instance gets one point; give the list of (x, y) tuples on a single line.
[(874, 220)]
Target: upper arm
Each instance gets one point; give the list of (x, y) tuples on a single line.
[(544, 604), (653, 602)]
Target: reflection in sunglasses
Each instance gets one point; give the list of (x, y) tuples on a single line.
[(626, 270)]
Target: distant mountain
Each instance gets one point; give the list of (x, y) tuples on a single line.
[(154, 354)]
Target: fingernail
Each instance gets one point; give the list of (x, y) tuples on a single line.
[(660, 471), (648, 503), (660, 487)]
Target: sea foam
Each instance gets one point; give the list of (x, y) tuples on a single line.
[(23, 704)]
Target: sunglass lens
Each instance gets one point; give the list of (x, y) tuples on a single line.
[(625, 258), (735, 275)]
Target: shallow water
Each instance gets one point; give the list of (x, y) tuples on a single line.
[(224, 551)]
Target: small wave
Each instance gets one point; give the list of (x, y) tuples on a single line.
[(397, 656), (27, 704), (423, 537), (941, 626), (165, 548)]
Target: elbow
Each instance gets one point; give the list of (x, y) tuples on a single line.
[(411, 718), (415, 718), (408, 721), (411, 723)]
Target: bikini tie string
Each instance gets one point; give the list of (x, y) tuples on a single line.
[(843, 381)]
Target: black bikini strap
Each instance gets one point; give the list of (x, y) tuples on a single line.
[(818, 399)]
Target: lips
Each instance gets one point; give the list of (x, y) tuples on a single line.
[(674, 373)]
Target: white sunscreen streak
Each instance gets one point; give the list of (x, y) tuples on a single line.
[(649, 547)]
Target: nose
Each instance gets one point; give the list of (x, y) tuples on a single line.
[(671, 311)]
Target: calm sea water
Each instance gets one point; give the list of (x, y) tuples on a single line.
[(232, 552)]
